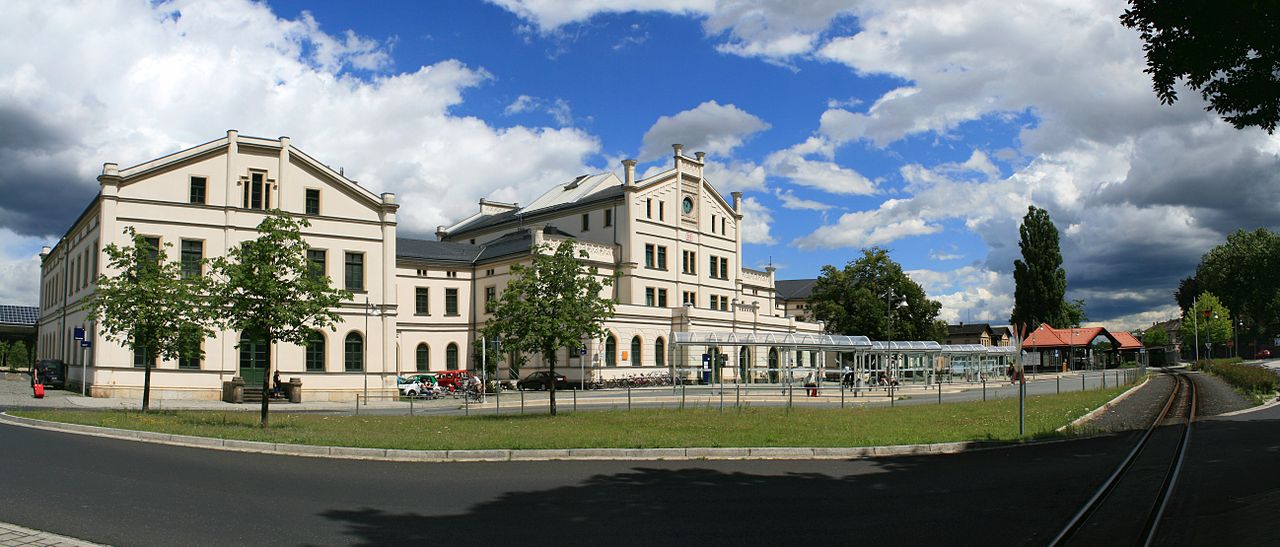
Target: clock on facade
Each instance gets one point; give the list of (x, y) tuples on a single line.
[(687, 205)]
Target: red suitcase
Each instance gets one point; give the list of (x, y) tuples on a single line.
[(39, 391)]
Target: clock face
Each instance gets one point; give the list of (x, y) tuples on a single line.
[(687, 205)]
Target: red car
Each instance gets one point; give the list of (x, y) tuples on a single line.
[(1263, 354)]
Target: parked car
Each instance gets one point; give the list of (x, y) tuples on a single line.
[(1263, 354), (53, 372), (542, 380), (452, 379)]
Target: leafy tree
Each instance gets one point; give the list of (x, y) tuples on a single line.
[(1215, 328), (1245, 273), (148, 306), (271, 291), (550, 304), (1040, 283), (1188, 288), (873, 297), (1155, 337), (1228, 51), (19, 357)]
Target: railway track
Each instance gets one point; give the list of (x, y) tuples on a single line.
[(1128, 507)]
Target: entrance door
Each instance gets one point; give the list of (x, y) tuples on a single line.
[(254, 358)]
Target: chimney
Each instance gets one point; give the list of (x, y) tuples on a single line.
[(699, 155), (628, 172), (440, 233), (737, 202), (679, 148)]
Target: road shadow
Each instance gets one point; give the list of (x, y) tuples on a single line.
[(995, 497)]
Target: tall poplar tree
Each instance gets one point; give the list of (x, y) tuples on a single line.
[(1040, 282)]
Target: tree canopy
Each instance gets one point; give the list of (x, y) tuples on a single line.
[(1040, 282), (1213, 329), (1228, 51), (873, 297), (552, 303), (149, 306), (270, 290), (1244, 272)]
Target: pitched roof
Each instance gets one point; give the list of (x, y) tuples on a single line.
[(970, 329), (582, 191), (1048, 337), (795, 289), (1127, 340), (19, 315)]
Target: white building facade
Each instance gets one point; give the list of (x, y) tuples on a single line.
[(672, 240)]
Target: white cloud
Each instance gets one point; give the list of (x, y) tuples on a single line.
[(756, 222), (709, 127), (132, 81), (790, 201)]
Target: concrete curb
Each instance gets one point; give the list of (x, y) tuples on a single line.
[(504, 455), (1108, 406)]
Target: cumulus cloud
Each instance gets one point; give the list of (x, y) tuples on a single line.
[(756, 222), (131, 81), (709, 127)]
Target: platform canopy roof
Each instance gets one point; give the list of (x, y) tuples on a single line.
[(830, 342), (916, 346)]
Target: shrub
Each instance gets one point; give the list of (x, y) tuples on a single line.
[(1256, 381)]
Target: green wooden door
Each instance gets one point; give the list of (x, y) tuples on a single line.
[(254, 358)]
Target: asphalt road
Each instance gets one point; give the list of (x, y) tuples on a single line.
[(127, 493)]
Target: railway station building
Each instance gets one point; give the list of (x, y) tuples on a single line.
[(672, 239)]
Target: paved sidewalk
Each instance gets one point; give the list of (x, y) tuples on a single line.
[(14, 535)]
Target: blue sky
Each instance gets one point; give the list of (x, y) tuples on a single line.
[(923, 126)]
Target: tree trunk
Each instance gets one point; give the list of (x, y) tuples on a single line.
[(266, 384), (552, 360), (146, 380)]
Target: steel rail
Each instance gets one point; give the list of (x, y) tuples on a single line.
[(1109, 485)]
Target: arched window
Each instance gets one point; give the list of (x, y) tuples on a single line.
[(423, 358), (610, 351), (635, 351), (660, 352), (353, 357), (451, 356), (315, 351)]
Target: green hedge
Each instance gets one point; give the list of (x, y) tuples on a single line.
[(1257, 381)]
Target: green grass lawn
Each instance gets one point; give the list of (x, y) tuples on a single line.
[(756, 426)]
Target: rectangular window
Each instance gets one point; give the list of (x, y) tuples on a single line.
[(198, 190), (313, 201), (662, 258), (649, 296), (355, 271), (451, 301), (715, 267), (490, 298), (662, 298), (608, 217), (154, 243), (421, 302), (724, 268), (649, 255), (648, 208), (586, 221), (192, 255), (316, 257), (190, 359), (256, 192)]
